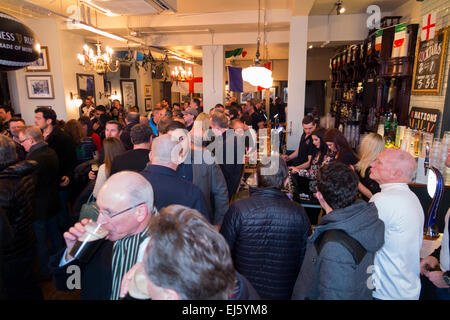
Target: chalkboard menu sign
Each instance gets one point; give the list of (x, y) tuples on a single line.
[(429, 65), (423, 119)]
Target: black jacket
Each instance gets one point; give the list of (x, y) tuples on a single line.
[(96, 276), (267, 234), (134, 160), (16, 201), (46, 180), (65, 148), (231, 159), (125, 136), (169, 188), (6, 236)]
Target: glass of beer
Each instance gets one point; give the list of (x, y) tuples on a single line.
[(94, 168), (88, 243)]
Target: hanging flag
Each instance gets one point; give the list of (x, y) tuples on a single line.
[(235, 52), (399, 40), (428, 26), (235, 79), (378, 39)]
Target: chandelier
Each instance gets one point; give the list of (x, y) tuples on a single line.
[(100, 63), (180, 74), (257, 75)]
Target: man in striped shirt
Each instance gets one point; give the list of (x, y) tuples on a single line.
[(125, 206)]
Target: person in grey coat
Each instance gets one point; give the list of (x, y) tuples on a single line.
[(201, 169), (340, 267)]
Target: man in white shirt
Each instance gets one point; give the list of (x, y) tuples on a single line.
[(397, 263)]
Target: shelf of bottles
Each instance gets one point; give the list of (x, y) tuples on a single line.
[(369, 81)]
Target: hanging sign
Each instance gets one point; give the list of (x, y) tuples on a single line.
[(423, 119), (429, 64), (18, 44)]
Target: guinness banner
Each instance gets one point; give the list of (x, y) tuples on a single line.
[(18, 44)]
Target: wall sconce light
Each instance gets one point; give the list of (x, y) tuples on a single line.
[(115, 96), (76, 102)]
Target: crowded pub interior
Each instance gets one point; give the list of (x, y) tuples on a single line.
[(224, 150)]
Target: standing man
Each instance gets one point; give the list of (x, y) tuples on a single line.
[(131, 119), (125, 203), (267, 234), (195, 103), (229, 151), (136, 159), (15, 124), (301, 158), (168, 187), (65, 148), (156, 115), (341, 250), (397, 263), (6, 114), (46, 181), (189, 116)]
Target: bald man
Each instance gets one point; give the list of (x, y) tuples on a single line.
[(397, 263), (125, 206), (166, 154)]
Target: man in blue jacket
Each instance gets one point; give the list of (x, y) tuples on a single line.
[(168, 187)]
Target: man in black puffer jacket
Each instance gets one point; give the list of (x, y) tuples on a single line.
[(267, 234), (16, 201)]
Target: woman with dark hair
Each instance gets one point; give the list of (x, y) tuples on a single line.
[(337, 143), (113, 147), (85, 146), (86, 124), (321, 155)]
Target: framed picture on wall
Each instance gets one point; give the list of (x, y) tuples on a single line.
[(107, 88), (246, 96), (42, 64), (129, 93), (85, 85), (148, 91), (40, 87), (148, 104)]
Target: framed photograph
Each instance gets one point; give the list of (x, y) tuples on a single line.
[(246, 96), (42, 64), (107, 88), (40, 87), (85, 85), (129, 93), (148, 104), (148, 91)]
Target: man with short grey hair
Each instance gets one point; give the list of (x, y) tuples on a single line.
[(397, 263), (166, 154), (47, 203), (125, 206)]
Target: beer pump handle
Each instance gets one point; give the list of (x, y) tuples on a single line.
[(426, 163)]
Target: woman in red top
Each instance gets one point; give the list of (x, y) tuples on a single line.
[(86, 123)]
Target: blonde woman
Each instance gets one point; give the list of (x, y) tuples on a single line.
[(371, 146), (113, 147)]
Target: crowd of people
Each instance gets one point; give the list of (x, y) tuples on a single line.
[(166, 189)]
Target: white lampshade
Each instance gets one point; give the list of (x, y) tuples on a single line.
[(258, 76)]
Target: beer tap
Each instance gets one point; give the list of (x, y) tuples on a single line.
[(426, 163)]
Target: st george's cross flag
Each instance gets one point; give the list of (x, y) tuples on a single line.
[(428, 26)]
